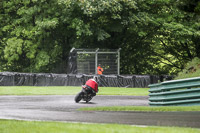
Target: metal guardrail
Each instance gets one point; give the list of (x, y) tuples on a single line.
[(184, 92)]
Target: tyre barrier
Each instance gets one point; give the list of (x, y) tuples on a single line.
[(52, 79)]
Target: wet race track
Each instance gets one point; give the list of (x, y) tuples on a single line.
[(63, 108)]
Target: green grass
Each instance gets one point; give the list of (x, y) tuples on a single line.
[(13, 126), (69, 90), (33, 90), (143, 108)]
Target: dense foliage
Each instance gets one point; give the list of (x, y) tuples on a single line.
[(156, 36), (191, 70)]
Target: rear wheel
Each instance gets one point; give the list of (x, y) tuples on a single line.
[(88, 98), (78, 97)]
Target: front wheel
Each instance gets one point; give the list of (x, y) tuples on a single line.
[(78, 97)]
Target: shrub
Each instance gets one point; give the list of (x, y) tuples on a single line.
[(192, 69)]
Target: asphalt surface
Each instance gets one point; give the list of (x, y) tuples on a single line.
[(63, 108)]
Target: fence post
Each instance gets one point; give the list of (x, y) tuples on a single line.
[(118, 61), (96, 60)]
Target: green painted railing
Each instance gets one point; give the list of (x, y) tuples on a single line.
[(184, 92)]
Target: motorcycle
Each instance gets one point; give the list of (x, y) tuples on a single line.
[(86, 94)]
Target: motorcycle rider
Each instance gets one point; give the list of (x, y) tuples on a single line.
[(88, 91), (91, 86)]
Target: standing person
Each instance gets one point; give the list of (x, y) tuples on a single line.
[(99, 70)]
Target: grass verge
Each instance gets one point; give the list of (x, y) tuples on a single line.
[(143, 108), (69, 90), (13, 126)]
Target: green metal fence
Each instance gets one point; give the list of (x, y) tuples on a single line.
[(184, 92)]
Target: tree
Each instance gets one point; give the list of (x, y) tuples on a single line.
[(177, 39), (30, 35), (156, 36)]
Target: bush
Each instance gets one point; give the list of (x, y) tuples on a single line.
[(192, 69)]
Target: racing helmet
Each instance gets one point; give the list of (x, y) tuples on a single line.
[(95, 78)]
